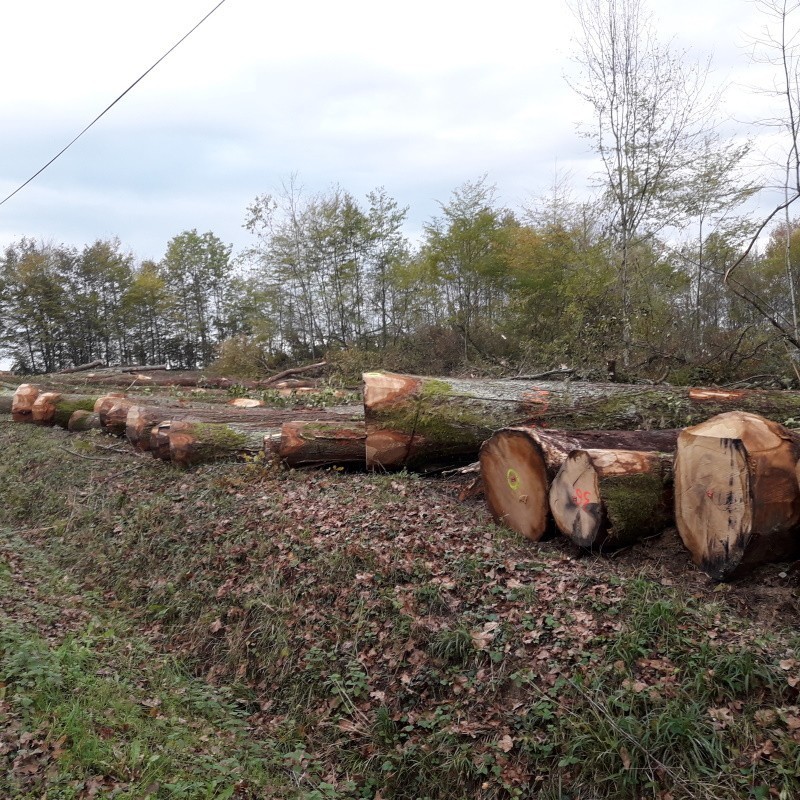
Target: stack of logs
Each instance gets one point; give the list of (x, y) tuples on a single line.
[(604, 464)]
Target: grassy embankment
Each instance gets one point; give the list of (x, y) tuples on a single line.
[(242, 631)]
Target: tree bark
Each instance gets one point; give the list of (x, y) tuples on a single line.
[(610, 498), (81, 421), (201, 442), (517, 465), (22, 402), (145, 368), (113, 412), (54, 408), (141, 418), (318, 444), (413, 421), (737, 501)]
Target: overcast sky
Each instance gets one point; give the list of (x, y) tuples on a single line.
[(417, 97)]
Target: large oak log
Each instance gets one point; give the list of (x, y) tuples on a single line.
[(517, 465), (412, 421), (610, 498), (304, 444), (737, 500)]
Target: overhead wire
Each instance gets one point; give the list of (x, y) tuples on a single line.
[(111, 105)]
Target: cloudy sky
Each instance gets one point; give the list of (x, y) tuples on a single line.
[(417, 97)]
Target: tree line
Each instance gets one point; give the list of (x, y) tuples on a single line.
[(660, 273)]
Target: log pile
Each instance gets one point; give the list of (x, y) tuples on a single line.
[(603, 464)]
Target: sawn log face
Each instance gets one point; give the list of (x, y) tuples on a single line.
[(737, 500)]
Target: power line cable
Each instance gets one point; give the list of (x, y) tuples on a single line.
[(111, 105)]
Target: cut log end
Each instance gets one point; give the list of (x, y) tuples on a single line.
[(610, 498), (575, 500), (515, 483), (737, 501), (22, 402)]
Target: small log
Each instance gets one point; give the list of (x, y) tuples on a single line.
[(611, 498), (304, 444), (141, 419), (6, 400), (22, 402), (82, 367), (517, 465), (145, 368), (81, 421), (54, 408), (201, 442), (293, 371), (737, 500)]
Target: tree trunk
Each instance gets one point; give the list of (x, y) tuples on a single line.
[(201, 442), (517, 465), (141, 419), (318, 444), (54, 408), (413, 421), (610, 498), (6, 400), (82, 421), (22, 402), (737, 501)]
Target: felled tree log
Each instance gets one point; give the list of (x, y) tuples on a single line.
[(246, 402), (304, 444), (412, 421), (201, 442), (517, 465), (278, 376), (54, 408), (737, 501), (610, 498), (22, 402), (113, 412), (81, 421), (82, 367), (6, 399), (142, 418)]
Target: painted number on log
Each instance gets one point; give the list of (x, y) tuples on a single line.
[(582, 498), (513, 479)]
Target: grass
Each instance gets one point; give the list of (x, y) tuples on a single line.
[(242, 631)]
